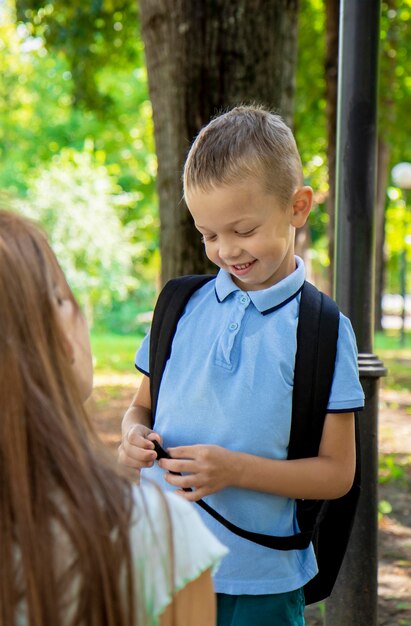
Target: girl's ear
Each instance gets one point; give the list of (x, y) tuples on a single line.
[(64, 311), (302, 203)]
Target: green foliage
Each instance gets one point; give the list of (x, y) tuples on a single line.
[(395, 90), (92, 35), (391, 469), (394, 107), (398, 237), (395, 85), (83, 166), (310, 114), (39, 115), (34, 103), (310, 105), (384, 508), (395, 78), (73, 198), (399, 221)]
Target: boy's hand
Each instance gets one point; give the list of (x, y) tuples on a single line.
[(136, 449), (206, 469)]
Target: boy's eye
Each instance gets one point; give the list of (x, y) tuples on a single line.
[(205, 238), (246, 233)]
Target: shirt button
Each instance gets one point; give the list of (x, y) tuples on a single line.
[(244, 299), (233, 326)]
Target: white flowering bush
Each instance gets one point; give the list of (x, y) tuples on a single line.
[(78, 202)]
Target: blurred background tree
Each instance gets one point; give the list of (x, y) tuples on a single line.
[(77, 139), (84, 227), (77, 147)]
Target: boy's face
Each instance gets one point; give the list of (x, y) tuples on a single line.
[(247, 233)]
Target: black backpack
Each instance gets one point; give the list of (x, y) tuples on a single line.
[(326, 523)]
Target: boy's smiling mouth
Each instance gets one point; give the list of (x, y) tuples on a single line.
[(242, 268)]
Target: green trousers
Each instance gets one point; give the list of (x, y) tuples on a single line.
[(280, 609)]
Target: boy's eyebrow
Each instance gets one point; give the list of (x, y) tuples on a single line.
[(233, 223)]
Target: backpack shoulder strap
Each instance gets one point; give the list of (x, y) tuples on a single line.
[(329, 522), (317, 335), (167, 312)]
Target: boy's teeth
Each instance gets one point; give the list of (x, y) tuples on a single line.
[(242, 267)]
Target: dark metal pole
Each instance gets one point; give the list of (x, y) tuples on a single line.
[(354, 599)]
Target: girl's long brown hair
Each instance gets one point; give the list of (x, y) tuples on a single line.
[(64, 510)]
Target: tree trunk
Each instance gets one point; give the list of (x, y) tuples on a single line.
[(202, 57), (332, 8)]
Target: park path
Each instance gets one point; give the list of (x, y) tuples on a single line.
[(113, 394), (395, 528)]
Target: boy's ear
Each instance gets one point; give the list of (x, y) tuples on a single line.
[(302, 203)]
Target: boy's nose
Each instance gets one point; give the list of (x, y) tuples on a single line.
[(229, 250)]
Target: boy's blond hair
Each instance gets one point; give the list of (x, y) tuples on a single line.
[(245, 142)]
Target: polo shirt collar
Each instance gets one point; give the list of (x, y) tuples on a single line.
[(265, 300)]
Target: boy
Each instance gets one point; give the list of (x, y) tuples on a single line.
[(224, 408)]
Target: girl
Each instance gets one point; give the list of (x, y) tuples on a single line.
[(79, 546)]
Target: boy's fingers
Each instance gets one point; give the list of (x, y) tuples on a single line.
[(192, 496), (137, 436), (136, 462), (174, 465), (183, 452), (142, 437), (135, 449), (182, 482), (155, 437)]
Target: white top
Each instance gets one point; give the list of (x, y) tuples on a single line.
[(195, 548)]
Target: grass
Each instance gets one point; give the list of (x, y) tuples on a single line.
[(394, 468), (114, 353), (390, 342), (397, 360)]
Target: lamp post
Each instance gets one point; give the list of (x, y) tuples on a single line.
[(401, 176), (354, 599)]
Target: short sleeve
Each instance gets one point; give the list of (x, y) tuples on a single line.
[(141, 360), (346, 392), (195, 549)]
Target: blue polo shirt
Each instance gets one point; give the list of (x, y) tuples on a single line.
[(229, 382)]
